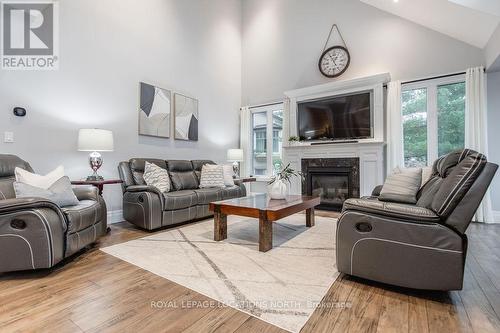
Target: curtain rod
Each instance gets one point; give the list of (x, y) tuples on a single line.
[(434, 77), (265, 104)]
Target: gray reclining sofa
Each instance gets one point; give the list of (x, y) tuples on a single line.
[(149, 209), (35, 233), (420, 246)]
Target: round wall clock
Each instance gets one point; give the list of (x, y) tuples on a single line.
[(334, 61)]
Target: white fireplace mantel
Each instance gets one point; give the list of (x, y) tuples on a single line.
[(370, 154), (369, 151)]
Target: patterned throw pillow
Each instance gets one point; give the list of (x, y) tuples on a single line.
[(157, 177), (212, 176)]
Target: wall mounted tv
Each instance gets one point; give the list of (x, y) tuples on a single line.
[(344, 117)]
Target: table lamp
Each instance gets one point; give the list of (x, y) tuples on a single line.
[(235, 156), (95, 140)]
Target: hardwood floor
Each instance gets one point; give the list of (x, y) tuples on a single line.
[(95, 292)]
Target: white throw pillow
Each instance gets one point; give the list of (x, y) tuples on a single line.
[(61, 192), (39, 181), (212, 176), (402, 186), (228, 175), (426, 173), (157, 177)]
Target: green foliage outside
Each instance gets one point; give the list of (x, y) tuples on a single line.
[(450, 118), (414, 109)]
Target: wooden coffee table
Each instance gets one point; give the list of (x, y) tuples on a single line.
[(266, 210)]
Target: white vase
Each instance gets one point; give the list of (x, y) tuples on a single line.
[(278, 190)]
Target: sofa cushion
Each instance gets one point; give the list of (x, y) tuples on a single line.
[(208, 195), (397, 210), (231, 192), (137, 166), (82, 215), (182, 175), (180, 199)]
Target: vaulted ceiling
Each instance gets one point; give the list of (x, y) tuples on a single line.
[(470, 21)]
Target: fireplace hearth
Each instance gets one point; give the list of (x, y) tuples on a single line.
[(334, 180)]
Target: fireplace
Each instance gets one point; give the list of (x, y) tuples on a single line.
[(334, 180)]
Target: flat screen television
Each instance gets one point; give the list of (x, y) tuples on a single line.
[(344, 117)]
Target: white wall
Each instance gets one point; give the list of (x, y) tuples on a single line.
[(494, 134), (492, 51), (283, 39), (106, 48)]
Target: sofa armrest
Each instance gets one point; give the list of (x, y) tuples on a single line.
[(86, 192), (32, 234), (376, 191), (407, 253), (17, 204), (142, 188), (406, 212), (241, 185)]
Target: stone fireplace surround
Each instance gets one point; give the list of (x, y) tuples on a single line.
[(331, 167)]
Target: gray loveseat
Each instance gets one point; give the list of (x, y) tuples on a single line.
[(35, 233), (420, 246), (149, 209)]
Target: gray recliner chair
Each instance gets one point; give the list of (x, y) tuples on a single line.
[(421, 246), (35, 233)]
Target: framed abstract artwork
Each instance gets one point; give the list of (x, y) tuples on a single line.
[(186, 118), (154, 111)]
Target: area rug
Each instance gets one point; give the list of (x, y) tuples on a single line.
[(282, 286)]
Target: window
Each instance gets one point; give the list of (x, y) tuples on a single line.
[(433, 114), (267, 136)]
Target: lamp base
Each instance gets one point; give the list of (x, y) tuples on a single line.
[(236, 170), (95, 161), (95, 177)]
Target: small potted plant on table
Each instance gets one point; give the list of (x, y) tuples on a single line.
[(278, 186)]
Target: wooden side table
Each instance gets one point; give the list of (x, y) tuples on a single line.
[(247, 179), (99, 184)]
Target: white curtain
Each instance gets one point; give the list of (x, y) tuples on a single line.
[(476, 127), (245, 139), (394, 126)]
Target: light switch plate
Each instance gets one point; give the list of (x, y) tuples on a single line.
[(8, 137)]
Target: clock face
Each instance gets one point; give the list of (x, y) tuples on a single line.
[(334, 61)]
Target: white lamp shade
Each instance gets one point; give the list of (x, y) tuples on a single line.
[(93, 139), (235, 155)]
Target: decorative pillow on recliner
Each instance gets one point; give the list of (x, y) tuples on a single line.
[(402, 186), (212, 175), (157, 177), (40, 181), (60, 192)]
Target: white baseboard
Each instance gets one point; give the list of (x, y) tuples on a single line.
[(496, 216), (115, 216)]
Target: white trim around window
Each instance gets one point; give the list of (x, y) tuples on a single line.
[(268, 109)]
